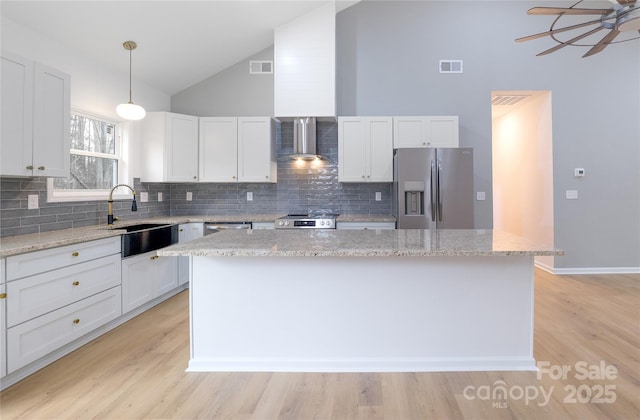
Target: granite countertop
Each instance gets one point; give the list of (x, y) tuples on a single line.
[(14, 245), (356, 243)]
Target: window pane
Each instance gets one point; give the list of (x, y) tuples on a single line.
[(92, 135), (88, 172)]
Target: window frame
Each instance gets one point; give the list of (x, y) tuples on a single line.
[(122, 133)]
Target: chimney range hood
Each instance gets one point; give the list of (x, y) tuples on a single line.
[(304, 139)]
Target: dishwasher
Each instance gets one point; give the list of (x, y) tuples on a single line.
[(214, 227)]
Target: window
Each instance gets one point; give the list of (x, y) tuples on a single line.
[(96, 163)]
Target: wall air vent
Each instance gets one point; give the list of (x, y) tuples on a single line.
[(507, 100), (260, 67), (450, 66)]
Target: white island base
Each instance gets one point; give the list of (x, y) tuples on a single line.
[(362, 314)]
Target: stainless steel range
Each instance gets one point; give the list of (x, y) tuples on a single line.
[(307, 221)]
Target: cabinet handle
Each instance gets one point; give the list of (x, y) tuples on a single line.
[(155, 257), (41, 168), (76, 321), (3, 295), (181, 230), (233, 177), (30, 167), (76, 283), (75, 254)]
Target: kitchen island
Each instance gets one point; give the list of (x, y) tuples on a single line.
[(361, 301)]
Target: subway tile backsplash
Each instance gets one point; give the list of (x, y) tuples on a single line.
[(300, 188)]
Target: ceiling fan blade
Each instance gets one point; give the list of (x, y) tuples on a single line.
[(569, 42), (566, 11), (603, 43), (557, 31)]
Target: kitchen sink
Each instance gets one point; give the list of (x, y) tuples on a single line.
[(146, 237)]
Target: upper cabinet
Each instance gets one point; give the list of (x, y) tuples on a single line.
[(365, 149), (35, 119), (169, 147), (441, 131), (305, 65), (237, 149)]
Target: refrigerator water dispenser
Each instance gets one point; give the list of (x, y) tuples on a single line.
[(413, 198)]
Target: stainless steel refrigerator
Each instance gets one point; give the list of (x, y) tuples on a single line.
[(433, 188)]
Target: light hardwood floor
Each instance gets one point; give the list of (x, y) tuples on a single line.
[(137, 371)]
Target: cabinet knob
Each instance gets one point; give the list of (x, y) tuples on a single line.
[(76, 321), (3, 295), (30, 167), (233, 177), (76, 283), (181, 230), (41, 168), (194, 177), (75, 254)]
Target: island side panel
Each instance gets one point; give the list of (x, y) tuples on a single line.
[(361, 314)]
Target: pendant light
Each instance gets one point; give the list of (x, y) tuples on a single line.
[(130, 111)]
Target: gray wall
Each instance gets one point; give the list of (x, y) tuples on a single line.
[(232, 92), (388, 56)]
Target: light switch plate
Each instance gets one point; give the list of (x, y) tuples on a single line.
[(159, 196), (572, 194), (480, 196), (32, 201), (189, 196), (144, 197), (578, 172)]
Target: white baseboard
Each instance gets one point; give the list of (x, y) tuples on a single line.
[(589, 270)]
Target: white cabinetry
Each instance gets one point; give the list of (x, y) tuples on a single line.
[(56, 296), (3, 322), (237, 149), (365, 149), (366, 225), (145, 277), (35, 119), (441, 131), (187, 232), (169, 148)]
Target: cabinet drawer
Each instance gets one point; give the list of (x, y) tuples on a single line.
[(33, 296), (24, 265), (33, 339)]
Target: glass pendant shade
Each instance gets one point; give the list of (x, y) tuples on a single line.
[(130, 111)]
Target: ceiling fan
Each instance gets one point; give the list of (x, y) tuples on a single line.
[(622, 17)]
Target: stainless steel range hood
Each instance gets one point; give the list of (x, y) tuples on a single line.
[(304, 139)]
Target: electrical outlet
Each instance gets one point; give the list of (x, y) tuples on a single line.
[(578, 172), (378, 196), (189, 196), (159, 196), (144, 197), (480, 196), (249, 196), (32, 201)]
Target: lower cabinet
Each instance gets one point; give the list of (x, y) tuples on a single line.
[(36, 338), (145, 277), (3, 322), (187, 232)]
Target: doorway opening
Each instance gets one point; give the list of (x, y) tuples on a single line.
[(522, 169)]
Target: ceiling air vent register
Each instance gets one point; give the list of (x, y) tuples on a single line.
[(507, 100)]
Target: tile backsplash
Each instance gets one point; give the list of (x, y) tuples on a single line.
[(300, 188)]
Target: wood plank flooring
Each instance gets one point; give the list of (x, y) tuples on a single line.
[(138, 371)]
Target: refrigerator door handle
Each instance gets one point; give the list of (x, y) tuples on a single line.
[(439, 192), (433, 191)]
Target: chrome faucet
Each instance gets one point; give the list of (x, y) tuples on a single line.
[(134, 206)]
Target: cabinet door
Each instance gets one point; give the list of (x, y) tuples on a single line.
[(17, 119), (51, 114), (181, 152), (352, 164), (137, 281), (409, 132), (442, 131), (256, 150), (379, 132), (3, 323), (218, 156), (187, 232), (165, 274)]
